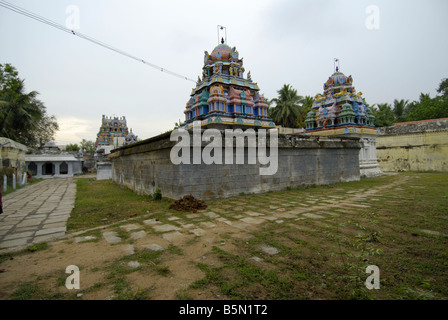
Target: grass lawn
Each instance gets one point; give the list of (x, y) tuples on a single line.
[(398, 223)]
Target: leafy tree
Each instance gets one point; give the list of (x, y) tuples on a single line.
[(23, 117), (428, 108), (87, 145), (304, 109), (287, 107), (72, 147), (384, 115), (443, 87)]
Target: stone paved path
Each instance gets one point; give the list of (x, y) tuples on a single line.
[(36, 213), (179, 229), (39, 213)]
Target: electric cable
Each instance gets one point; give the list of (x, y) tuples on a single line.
[(56, 25)]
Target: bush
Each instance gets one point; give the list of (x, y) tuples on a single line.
[(157, 194)]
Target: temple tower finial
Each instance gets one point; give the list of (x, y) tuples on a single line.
[(221, 38), (336, 61)]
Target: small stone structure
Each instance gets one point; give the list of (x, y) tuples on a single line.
[(414, 146), (302, 160), (12, 155), (104, 170), (52, 162)]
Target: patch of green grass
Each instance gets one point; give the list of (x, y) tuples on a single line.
[(123, 291), (175, 250), (327, 258), (38, 247), (31, 249), (26, 291), (103, 202), (33, 291)]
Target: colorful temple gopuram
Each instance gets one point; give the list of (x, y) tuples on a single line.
[(114, 132), (340, 109), (225, 96)]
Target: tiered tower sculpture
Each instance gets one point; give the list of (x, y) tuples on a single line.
[(225, 96), (340, 107)]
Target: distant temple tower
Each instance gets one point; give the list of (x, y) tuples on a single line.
[(224, 96), (340, 110), (114, 133), (340, 107)]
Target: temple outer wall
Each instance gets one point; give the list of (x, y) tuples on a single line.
[(146, 166), (418, 146)]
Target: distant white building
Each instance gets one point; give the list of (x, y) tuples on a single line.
[(51, 162)]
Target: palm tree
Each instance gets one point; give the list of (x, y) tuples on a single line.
[(304, 109), (400, 107), (19, 112), (287, 107)]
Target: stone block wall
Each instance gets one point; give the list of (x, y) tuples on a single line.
[(12, 156), (302, 160), (415, 146)]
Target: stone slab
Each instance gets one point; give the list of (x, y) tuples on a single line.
[(128, 249), (212, 215), (268, 249), (208, 225), (251, 220), (254, 214), (14, 243), (431, 232), (138, 235), (153, 247), (111, 237), (165, 228), (257, 259), (84, 239), (19, 235), (329, 213), (130, 227), (198, 232), (312, 216), (53, 225), (30, 222), (50, 230), (151, 222), (133, 264), (172, 236)]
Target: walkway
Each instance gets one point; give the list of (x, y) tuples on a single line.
[(36, 213)]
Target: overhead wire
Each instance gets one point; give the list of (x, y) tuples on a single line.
[(56, 25)]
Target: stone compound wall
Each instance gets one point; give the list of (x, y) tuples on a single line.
[(146, 165), (12, 156), (414, 146)]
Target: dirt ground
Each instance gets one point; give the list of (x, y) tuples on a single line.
[(47, 267)]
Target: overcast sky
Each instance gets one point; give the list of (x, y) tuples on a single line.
[(397, 56)]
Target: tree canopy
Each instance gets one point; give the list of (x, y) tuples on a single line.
[(423, 109), (23, 118), (290, 108)]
